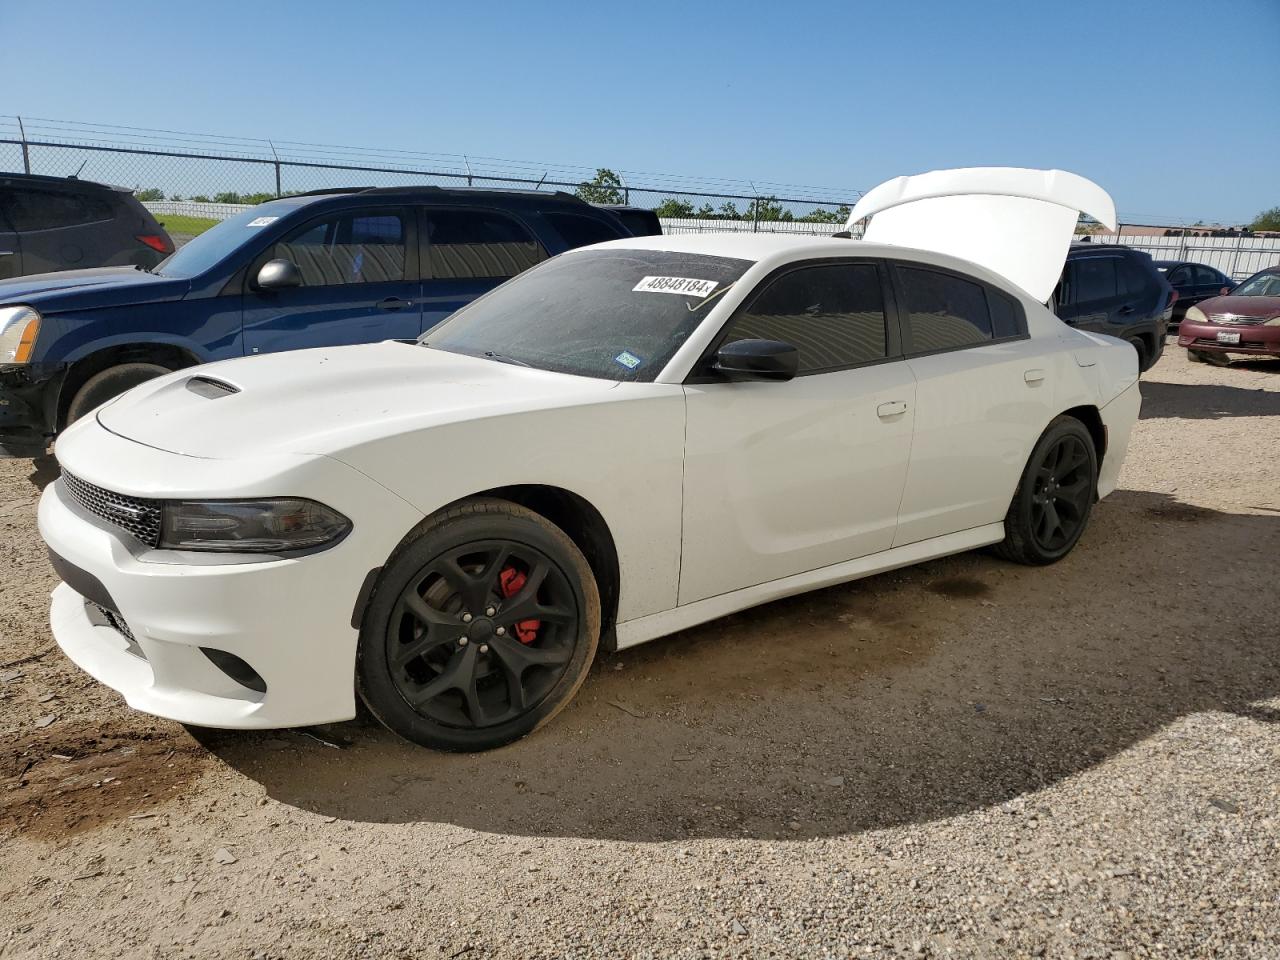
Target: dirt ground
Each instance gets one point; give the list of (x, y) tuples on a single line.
[(964, 758)]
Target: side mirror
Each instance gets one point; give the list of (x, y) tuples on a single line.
[(757, 360), (278, 274)]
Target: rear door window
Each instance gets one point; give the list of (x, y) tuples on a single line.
[(1131, 278), (1093, 279), (29, 210), (477, 244), (1207, 276)]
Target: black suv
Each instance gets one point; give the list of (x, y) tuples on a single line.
[(1113, 289), (55, 223), (315, 270)]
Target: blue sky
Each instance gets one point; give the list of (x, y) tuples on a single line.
[(1169, 104)]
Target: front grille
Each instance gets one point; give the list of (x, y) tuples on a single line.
[(115, 621), (1231, 318), (136, 515)]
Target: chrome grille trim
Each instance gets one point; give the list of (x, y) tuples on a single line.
[(135, 515), (1233, 319)]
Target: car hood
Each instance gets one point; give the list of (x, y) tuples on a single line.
[(1264, 307), (324, 401), (97, 287)]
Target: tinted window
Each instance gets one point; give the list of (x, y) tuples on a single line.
[(1207, 275), (641, 223), (834, 315), (1131, 278), (1180, 276), (944, 311), (579, 231), (1006, 315), (48, 209), (348, 248), (466, 244), (1094, 279), (606, 313)]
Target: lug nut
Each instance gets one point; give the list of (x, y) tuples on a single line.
[(490, 612), (484, 648), (501, 631), (466, 618), (462, 641)]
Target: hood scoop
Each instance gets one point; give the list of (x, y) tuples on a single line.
[(211, 389)]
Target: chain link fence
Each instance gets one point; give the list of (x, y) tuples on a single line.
[(175, 167)]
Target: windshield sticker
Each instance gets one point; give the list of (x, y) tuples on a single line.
[(261, 221), (685, 286), (628, 359)]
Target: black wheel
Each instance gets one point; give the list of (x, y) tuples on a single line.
[(109, 383), (480, 630), (1055, 495)]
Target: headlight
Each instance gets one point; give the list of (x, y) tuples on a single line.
[(1273, 322), (281, 525), (1196, 315), (18, 329)]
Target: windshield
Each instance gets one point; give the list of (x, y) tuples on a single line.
[(205, 251), (614, 314), (1263, 285)]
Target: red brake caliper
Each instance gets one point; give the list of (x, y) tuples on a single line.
[(511, 580)]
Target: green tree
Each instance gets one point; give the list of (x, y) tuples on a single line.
[(1267, 220), (226, 196), (605, 188), (175, 196), (818, 215), (766, 208), (674, 208), (200, 198), (151, 193)]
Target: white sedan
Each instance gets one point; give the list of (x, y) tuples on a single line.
[(624, 441)]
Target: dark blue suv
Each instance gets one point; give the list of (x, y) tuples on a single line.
[(315, 270)]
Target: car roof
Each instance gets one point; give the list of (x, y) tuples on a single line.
[(64, 183), (541, 199)]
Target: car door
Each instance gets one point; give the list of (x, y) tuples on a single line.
[(1182, 280), (466, 252), (1209, 282), (983, 394), (786, 477), (359, 284)]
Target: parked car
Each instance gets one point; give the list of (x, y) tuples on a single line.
[(625, 441), (1113, 289), (318, 270), (1192, 282), (1245, 320), (61, 223)]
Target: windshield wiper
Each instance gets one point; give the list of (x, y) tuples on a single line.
[(502, 359)]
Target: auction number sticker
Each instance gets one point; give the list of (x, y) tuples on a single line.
[(262, 221), (685, 286)]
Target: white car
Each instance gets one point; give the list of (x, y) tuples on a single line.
[(625, 441)]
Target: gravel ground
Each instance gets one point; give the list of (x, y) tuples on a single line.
[(965, 758)]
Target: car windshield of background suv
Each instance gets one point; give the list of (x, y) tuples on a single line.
[(215, 244)]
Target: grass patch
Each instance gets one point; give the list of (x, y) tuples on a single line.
[(191, 226)]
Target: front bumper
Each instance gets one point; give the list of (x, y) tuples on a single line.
[(289, 619), (1255, 338), (28, 395), (1119, 417)]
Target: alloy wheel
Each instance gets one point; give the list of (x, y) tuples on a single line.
[(1060, 497)]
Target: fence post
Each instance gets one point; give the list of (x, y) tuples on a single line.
[(1235, 257), (276, 158), (26, 152)]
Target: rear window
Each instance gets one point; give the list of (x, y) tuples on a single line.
[(579, 231), (29, 210)]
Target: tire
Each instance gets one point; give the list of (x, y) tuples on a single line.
[(1144, 356), (1063, 467), (441, 674), (1210, 357), (108, 384)]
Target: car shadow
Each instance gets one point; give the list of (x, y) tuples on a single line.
[(1206, 401), (905, 697)]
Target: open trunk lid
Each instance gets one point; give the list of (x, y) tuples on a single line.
[(1014, 221)]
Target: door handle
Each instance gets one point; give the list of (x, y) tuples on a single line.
[(891, 408), (393, 303), (1033, 376), (1127, 308)]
